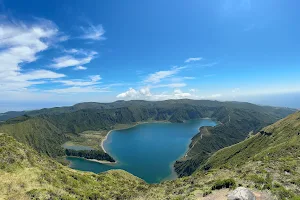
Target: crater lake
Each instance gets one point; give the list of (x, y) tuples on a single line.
[(146, 150)]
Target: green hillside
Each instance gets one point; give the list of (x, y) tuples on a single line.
[(270, 158), (236, 124), (24, 174), (37, 133), (47, 129)]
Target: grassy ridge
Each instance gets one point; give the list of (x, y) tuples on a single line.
[(270, 158), (236, 124)]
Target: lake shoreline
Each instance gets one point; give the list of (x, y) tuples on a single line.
[(128, 127), (172, 173), (95, 160)]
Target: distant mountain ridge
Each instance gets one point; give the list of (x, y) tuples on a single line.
[(119, 104)]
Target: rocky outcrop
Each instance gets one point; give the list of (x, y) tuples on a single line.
[(241, 193)]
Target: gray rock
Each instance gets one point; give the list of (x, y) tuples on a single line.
[(241, 193)]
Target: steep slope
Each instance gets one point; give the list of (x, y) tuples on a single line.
[(270, 158), (281, 139), (36, 132), (235, 126), (24, 174)]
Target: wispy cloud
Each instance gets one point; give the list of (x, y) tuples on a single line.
[(189, 77), (71, 51), (209, 75), (160, 75), (93, 32), (208, 64), (93, 80), (169, 85), (39, 74), (63, 38), (80, 68), (76, 89), (193, 59), (70, 61)]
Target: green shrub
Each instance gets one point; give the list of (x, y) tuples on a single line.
[(226, 183)]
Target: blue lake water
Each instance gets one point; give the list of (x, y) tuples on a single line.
[(146, 150)]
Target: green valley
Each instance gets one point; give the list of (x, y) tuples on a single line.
[(263, 156)]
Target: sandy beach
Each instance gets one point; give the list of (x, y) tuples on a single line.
[(102, 161), (102, 142), (95, 160)]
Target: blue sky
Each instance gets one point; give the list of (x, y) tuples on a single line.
[(56, 53)]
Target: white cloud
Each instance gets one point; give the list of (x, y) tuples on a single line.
[(70, 61), (179, 94), (145, 93), (93, 80), (215, 95), (80, 68), (189, 77), (131, 93), (209, 75), (158, 76), (93, 32), (180, 79), (74, 51), (76, 89), (209, 64), (71, 51), (169, 85), (193, 90), (63, 38), (19, 44), (193, 59), (40, 74)]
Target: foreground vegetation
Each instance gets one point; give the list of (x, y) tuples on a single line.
[(267, 161)]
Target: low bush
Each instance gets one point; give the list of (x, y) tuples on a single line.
[(226, 183)]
